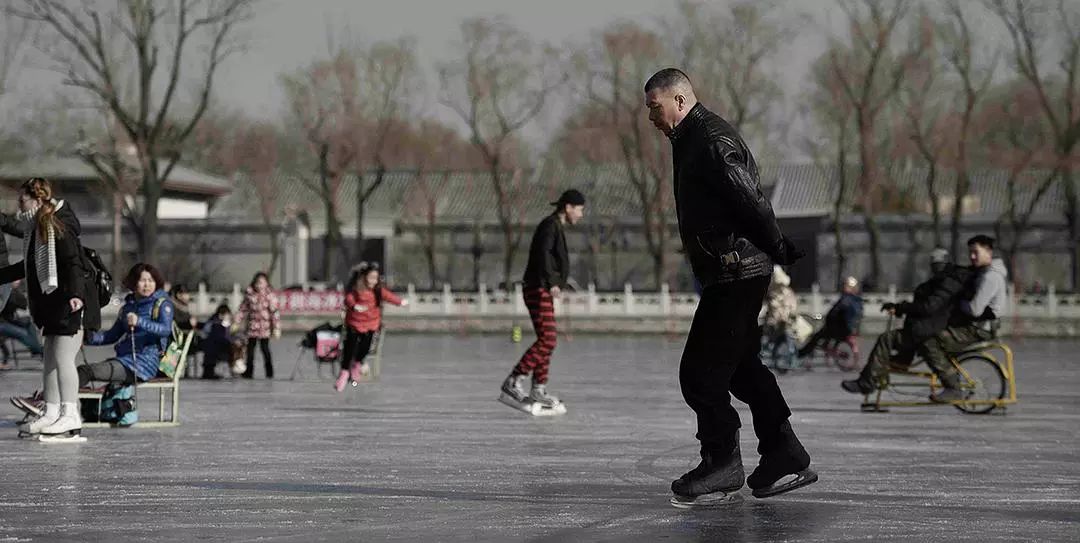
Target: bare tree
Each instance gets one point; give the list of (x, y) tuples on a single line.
[(733, 72), (831, 145), (254, 161), (15, 35), (869, 71), (1023, 146), (925, 102), (161, 40), (500, 83), (389, 84), (322, 98), (613, 127), (974, 77), (1031, 27)]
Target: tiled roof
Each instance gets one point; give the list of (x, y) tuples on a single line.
[(797, 190), (808, 189), (72, 168)]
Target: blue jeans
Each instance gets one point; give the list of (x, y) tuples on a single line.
[(24, 334)]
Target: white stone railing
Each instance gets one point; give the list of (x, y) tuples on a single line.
[(589, 302)]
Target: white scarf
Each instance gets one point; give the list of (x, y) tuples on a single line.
[(44, 253)]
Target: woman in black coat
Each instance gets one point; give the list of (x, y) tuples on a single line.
[(57, 283)]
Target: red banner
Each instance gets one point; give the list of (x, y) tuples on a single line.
[(312, 301)]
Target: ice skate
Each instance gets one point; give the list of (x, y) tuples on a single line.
[(32, 427), (714, 482), (343, 378), (357, 373), (783, 469), (538, 403), (66, 429), (32, 405)]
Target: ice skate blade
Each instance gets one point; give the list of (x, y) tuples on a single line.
[(62, 438), (787, 483), (533, 408), (706, 501)]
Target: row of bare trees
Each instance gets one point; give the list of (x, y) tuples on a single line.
[(928, 83), (903, 82)]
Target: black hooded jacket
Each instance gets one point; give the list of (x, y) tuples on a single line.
[(52, 312), (726, 223)]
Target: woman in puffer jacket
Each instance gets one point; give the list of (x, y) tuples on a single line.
[(147, 315)]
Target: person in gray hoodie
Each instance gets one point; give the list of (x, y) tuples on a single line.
[(972, 319)]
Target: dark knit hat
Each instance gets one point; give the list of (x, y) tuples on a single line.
[(573, 197)]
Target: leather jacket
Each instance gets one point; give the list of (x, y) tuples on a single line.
[(726, 223)]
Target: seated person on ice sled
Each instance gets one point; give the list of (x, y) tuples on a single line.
[(841, 322), (149, 313), (939, 330)]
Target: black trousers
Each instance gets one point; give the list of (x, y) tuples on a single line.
[(108, 371), (264, 346), (356, 347), (721, 359)]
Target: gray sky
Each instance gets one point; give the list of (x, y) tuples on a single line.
[(288, 34)]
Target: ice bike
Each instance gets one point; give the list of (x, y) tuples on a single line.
[(986, 372)]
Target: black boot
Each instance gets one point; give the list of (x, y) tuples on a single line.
[(858, 386), (717, 473), (784, 456)]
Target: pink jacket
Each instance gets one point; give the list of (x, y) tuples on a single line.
[(260, 314)]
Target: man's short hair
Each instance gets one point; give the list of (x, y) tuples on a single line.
[(666, 79), (985, 241)]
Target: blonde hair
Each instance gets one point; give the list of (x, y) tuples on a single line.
[(40, 190)]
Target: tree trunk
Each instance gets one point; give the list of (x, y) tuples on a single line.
[(957, 212), (359, 244), (117, 235), (275, 248), (874, 233), (838, 208), (1072, 209), (151, 195)]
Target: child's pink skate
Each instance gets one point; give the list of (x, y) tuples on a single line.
[(343, 378)]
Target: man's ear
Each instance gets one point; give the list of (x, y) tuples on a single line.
[(681, 101)]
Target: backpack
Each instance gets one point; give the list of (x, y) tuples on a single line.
[(100, 276), (170, 348), (116, 406)]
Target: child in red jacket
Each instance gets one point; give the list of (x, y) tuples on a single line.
[(363, 319)]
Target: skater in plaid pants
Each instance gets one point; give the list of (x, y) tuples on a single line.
[(545, 275)]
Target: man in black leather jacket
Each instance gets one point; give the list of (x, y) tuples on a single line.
[(732, 239)]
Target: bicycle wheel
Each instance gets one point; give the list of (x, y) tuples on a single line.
[(843, 356), (984, 382)]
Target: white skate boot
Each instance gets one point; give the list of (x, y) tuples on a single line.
[(538, 403), (66, 429), (31, 428), (513, 390)]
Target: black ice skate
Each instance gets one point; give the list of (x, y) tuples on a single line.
[(714, 482), (783, 469)]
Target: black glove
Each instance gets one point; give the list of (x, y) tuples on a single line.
[(889, 306), (786, 253)]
